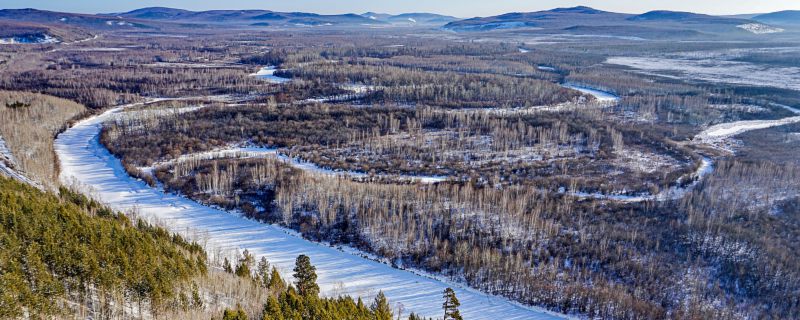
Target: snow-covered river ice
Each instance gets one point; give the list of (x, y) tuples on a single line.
[(86, 164)]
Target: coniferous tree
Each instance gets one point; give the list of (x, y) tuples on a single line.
[(237, 314), (305, 276), (276, 284), (380, 307), (226, 265), (262, 272), (272, 309), (451, 305), (245, 264)]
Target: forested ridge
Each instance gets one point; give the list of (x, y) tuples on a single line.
[(62, 254), (68, 247)]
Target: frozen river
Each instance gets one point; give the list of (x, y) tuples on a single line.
[(87, 164)]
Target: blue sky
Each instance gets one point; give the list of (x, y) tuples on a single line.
[(460, 8)]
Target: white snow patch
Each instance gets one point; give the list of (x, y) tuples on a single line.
[(44, 39), (268, 73), (602, 96), (726, 130), (85, 162), (758, 28), (715, 69), (546, 68)]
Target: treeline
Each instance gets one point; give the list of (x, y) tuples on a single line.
[(446, 89), (301, 300)]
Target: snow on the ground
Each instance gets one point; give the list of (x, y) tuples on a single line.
[(758, 28), (268, 73), (86, 163), (715, 69), (194, 66), (45, 39), (258, 152), (601, 96), (8, 166), (546, 68), (673, 193), (719, 132)]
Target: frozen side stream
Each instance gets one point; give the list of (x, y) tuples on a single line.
[(268, 73), (258, 152), (85, 162), (722, 131)]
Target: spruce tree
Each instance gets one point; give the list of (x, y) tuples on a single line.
[(272, 309), (276, 283), (451, 305), (380, 307), (305, 276), (237, 314)]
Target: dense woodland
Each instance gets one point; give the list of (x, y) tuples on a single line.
[(511, 142)]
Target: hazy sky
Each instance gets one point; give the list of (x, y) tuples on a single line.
[(460, 8)]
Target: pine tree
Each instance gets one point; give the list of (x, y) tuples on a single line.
[(237, 314), (380, 307), (451, 305), (276, 284), (305, 276), (272, 309)]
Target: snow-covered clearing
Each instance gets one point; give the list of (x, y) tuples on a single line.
[(726, 130), (86, 163), (758, 28), (268, 73), (715, 69), (601, 96), (720, 132)]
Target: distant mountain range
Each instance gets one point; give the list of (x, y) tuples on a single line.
[(577, 20), (245, 17), (786, 18), (584, 19), (155, 17)]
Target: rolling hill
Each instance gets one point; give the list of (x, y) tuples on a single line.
[(787, 18), (88, 21), (585, 20), (246, 17)]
